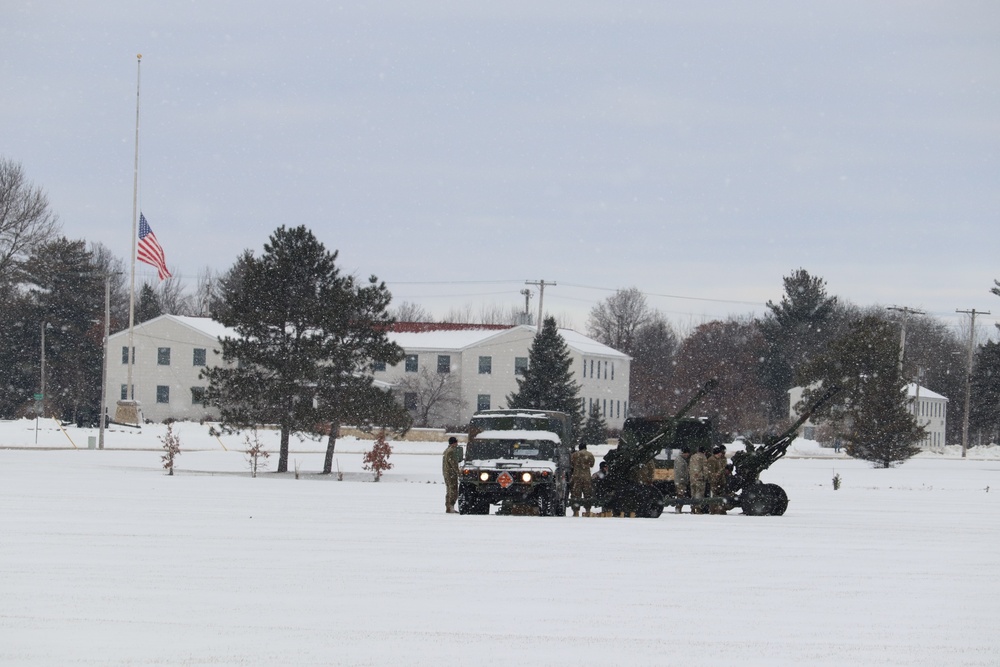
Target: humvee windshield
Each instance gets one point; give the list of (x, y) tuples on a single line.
[(557, 423), (478, 450)]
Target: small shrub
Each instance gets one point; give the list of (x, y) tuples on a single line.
[(377, 460), (836, 481), (255, 453), (171, 447)]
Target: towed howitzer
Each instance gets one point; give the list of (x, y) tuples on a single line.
[(746, 490), (626, 489)]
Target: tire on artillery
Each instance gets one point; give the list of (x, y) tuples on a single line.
[(764, 500)]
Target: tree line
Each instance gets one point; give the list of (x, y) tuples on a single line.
[(52, 290), (810, 339)]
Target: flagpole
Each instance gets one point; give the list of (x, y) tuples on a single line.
[(131, 414)]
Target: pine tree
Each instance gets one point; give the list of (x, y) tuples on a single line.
[(547, 383), (307, 337), (795, 330), (595, 431), (873, 406), (984, 415)]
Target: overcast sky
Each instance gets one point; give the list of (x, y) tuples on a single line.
[(698, 151)]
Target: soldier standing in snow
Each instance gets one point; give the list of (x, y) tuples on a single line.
[(449, 468), (581, 462), (682, 478), (697, 468), (717, 477)]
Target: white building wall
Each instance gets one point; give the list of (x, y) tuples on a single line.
[(608, 385), (602, 373), (178, 377), (930, 409)]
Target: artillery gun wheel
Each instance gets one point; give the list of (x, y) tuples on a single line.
[(779, 499), (764, 500), (650, 504)]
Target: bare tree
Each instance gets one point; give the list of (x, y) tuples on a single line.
[(459, 315), (173, 299), (205, 292), (615, 320), (25, 219), (434, 398), (111, 265), (411, 312)]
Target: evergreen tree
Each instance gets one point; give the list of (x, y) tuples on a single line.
[(795, 330), (984, 408), (595, 431), (307, 337), (547, 383), (873, 407), (147, 306)]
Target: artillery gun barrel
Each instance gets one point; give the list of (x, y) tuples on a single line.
[(749, 465), (643, 451)]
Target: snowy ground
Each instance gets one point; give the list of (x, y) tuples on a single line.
[(104, 560)]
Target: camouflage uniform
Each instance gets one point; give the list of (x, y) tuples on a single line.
[(449, 468), (698, 472), (716, 466), (580, 485), (682, 478)]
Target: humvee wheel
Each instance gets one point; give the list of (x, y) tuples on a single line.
[(469, 502)]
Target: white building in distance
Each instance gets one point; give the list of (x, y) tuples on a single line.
[(483, 362), (930, 409), (170, 352), (486, 360)]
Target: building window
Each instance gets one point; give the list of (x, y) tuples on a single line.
[(591, 368), (124, 392), (125, 354), (162, 393), (584, 368), (520, 365), (612, 371), (410, 400), (411, 363), (200, 357), (485, 365), (483, 402), (163, 356), (197, 395), (378, 366), (444, 363)]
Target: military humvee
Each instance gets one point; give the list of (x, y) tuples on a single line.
[(518, 459)]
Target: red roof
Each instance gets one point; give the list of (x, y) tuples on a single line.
[(422, 327)]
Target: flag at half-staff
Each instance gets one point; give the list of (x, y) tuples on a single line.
[(150, 251)]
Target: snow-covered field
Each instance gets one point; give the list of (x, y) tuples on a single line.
[(105, 560)]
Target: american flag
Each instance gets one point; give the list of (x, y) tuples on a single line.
[(150, 251)]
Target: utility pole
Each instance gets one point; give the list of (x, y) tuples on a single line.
[(902, 334), (968, 374), (527, 294), (540, 284), (104, 359)]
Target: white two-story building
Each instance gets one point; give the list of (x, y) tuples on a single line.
[(484, 362)]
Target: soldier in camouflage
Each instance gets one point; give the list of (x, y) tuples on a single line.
[(580, 486), (698, 474), (449, 468)]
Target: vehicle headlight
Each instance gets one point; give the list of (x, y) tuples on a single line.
[(484, 477), (526, 477)]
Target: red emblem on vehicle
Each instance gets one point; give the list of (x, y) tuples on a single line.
[(505, 480)]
